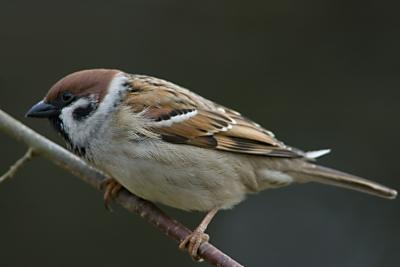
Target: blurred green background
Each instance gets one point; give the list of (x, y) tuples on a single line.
[(320, 74)]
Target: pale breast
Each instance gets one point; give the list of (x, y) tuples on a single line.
[(188, 178)]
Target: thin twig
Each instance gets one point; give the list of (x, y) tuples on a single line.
[(148, 211), (17, 165)]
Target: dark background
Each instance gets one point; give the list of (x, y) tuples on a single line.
[(318, 73)]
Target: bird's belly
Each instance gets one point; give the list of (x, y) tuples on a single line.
[(200, 185)]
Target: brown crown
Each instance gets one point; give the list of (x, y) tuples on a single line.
[(85, 82)]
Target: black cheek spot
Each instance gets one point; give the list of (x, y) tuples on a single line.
[(82, 112)]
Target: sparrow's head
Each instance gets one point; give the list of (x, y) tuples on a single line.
[(82, 90), (74, 99)]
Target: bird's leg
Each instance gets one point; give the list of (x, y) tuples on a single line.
[(194, 240), (112, 187)]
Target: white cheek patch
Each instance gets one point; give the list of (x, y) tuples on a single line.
[(176, 119), (70, 125)]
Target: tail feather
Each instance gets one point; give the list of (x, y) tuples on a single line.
[(325, 175)]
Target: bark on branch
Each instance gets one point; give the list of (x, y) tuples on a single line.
[(73, 164)]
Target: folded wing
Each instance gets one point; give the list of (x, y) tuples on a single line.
[(182, 117)]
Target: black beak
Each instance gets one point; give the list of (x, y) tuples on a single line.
[(42, 110)]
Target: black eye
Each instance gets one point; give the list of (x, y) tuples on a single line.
[(67, 97)]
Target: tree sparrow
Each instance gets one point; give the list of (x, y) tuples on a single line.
[(167, 144)]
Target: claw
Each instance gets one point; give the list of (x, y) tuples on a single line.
[(193, 242), (112, 188)]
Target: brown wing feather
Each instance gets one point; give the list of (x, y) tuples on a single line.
[(180, 116)]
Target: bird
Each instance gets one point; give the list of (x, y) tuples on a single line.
[(169, 145)]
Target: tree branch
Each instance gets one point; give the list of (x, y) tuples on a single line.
[(17, 165), (73, 164)]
